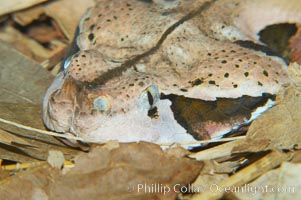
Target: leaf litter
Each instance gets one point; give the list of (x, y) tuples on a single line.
[(109, 173)]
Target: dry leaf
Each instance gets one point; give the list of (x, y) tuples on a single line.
[(279, 127), (10, 139), (27, 46), (8, 6), (21, 80), (217, 151), (56, 159), (212, 173), (205, 181), (281, 183), (15, 154), (66, 13), (297, 157), (4, 174), (29, 115), (108, 174), (244, 176)]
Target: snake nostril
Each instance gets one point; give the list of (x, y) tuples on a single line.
[(101, 104)]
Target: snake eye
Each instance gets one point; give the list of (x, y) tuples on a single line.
[(101, 104), (149, 97)]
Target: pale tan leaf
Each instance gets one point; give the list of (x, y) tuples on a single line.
[(281, 183), (217, 152), (21, 80), (56, 159), (29, 47), (8, 6), (30, 115), (249, 173), (66, 13), (10, 139)]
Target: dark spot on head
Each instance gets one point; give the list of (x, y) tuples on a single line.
[(92, 27), (224, 61), (259, 83), (115, 17), (216, 58), (91, 37), (196, 82), (211, 82), (99, 15), (83, 55), (240, 60), (265, 73), (209, 54), (175, 85), (226, 75), (246, 74), (209, 74), (141, 84), (184, 90), (254, 62), (235, 85), (232, 51), (223, 51), (131, 84), (237, 66), (108, 20)]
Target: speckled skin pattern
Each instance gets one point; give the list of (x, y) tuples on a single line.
[(132, 51)]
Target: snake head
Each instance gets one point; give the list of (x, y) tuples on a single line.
[(130, 109)]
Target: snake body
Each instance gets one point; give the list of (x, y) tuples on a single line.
[(136, 57)]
